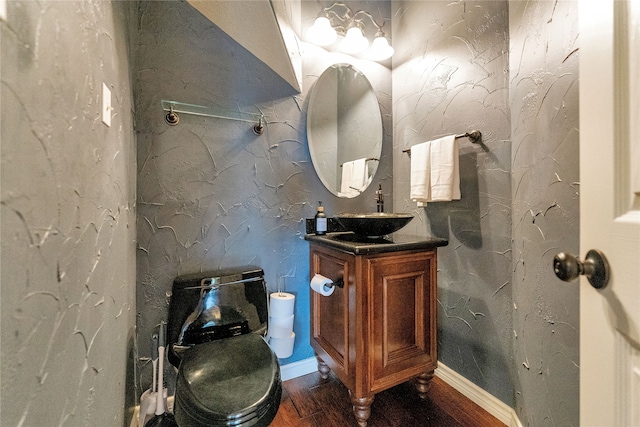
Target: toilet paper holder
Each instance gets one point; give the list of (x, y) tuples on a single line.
[(339, 283), (324, 285)]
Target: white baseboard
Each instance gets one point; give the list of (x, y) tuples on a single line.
[(299, 368), (479, 396)]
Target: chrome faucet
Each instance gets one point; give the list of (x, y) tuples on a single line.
[(379, 199)]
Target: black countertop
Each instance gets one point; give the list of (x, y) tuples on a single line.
[(360, 245)]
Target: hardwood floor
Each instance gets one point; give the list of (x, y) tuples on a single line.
[(309, 401)]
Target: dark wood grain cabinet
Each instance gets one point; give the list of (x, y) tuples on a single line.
[(379, 329)]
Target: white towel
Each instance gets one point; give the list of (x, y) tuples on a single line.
[(435, 174), (355, 176), (445, 173), (420, 173)]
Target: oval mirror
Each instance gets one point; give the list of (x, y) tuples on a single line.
[(344, 129)]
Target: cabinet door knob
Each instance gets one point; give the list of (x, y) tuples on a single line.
[(595, 266)]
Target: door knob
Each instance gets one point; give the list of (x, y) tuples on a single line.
[(595, 266)]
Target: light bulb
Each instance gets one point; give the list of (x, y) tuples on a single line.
[(321, 32), (354, 41), (380, 48)]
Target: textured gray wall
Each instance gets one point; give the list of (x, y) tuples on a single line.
[(545, 190), (68, 215), (450, 75), (211, 193)]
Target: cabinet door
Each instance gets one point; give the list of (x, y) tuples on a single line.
[(402, 295), (330, 314)]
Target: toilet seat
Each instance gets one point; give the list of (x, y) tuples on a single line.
[(228, 382)]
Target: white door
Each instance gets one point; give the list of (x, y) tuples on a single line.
[(610, 210)]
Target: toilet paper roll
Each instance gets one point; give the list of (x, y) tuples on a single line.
[(282, 347), (322, 285), (281, 304), (280, 327)]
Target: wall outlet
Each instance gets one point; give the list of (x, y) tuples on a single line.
[(106, 104)]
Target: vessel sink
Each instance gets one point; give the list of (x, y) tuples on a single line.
[(374, 224)]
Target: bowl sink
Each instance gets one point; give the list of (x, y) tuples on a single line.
[(374, 224)]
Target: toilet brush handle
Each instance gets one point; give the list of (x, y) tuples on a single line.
[(160, 393), (154, 359)]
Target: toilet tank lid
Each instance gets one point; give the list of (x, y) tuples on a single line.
[(223, 276)]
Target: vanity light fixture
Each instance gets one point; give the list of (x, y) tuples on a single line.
[(380, 48), (329, 24), (321, 32), (354, 41)]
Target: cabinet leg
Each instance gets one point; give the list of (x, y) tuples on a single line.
[(323, 368), (361, 408), (423, 384)]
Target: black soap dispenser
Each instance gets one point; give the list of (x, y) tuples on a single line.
[(379, 199), (320, 221)]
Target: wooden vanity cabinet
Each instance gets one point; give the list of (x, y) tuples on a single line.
[(379, 329)]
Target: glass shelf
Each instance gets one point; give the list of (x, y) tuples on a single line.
[(199, 110)]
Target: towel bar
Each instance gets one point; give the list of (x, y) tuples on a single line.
[(474, 136)]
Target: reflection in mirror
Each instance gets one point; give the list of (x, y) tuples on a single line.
[(344, 129)]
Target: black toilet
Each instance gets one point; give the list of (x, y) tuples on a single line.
[(227, 373)]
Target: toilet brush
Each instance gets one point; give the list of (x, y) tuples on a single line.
[(148, 398), (161, 417)]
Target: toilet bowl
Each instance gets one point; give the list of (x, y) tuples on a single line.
[(227, 374)]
